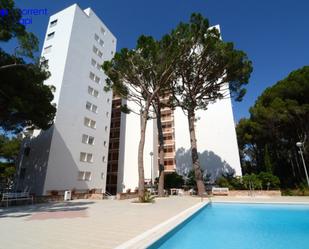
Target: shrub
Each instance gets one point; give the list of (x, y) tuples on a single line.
[(251, 182), (147, 198), (173, 180), (223, 182), (263, 180), (269, 181)]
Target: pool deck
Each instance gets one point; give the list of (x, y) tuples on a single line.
[(103, 224), (84, 224)]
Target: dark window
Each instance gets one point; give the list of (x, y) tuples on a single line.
[(27, 151), (50, 35), (53, 23), (22, 173)]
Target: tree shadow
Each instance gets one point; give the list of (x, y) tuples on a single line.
[(210, 162), (24, 211)]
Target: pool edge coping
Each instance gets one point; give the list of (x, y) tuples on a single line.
[(261, 202), (153, 234)]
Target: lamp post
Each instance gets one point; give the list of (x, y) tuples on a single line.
[(151, 154), (300, 145)]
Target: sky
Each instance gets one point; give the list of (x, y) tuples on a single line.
[(273, 33)]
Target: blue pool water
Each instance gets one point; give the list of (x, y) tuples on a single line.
[(242, 226)]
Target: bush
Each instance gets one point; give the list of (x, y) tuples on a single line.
[(147, 198), (251, 182), (263, 180), (269, 181), (173, 180)]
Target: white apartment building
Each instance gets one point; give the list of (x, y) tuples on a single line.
[(216, 141), (92, 145), (73, 153)]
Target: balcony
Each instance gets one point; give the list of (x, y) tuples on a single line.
[(168, 130), (170, 168), (169, 155)]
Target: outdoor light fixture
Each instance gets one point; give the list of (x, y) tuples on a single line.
[(300, 145), (151, 154)]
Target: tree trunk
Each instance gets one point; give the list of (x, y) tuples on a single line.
[(161, 150), (141, 176), (194, 154)]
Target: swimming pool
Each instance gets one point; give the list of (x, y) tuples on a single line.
[(241, 226)]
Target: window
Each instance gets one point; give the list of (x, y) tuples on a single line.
[(97, 51), (112, 52), (22, 173), (103, 31), (91, 107), (91, 140), (96, 37), (93, 62), (102, 175), (97, 79), (107, 113), (87, 176), (94, 78), (113, 41), (104, 143), (86, 157), (83, 156), (27, 151), (93, 92), (47, 49), (87, 139), (53, 23), (96, 64), (101, 42), (91, 76), (84, 176), (90, 123), (81, 175), (50, 35), (108, 100), (103, 159), (105, 128)]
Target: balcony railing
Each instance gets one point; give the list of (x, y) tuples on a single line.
[(169, 155)]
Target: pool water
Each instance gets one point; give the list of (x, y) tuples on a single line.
[(242, 226)]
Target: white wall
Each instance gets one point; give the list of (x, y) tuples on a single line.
[(132, 138), (64, 161), (216, 139)]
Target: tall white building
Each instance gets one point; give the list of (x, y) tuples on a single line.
[(216, 141), (92, 145), (73, 153)]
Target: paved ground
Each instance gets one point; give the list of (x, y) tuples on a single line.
[(84, 224)]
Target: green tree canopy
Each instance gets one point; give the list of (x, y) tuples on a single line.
[(278, 119), (208, 69), (173, 180), (10, 27), (24, 99), (139, 75), (9, 149)]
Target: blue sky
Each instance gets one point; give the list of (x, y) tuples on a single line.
[(274, 34)]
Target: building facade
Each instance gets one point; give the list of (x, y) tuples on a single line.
[(73, 153), (92, 144), (216, 141)]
